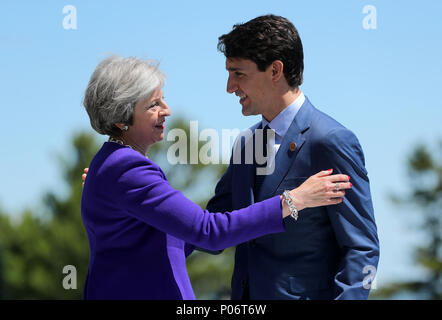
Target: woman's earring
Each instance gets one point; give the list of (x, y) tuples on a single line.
[(125, 128)]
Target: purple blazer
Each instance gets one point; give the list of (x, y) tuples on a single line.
[(140, 229)]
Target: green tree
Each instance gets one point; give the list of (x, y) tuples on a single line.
[(41, 243), (4, 230), (425, 196)]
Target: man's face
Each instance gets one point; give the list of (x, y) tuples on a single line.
[(251, 85)]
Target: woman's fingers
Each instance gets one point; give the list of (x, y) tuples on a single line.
[(335, 194), (86, 170), (334, 201), (322, 189), (324, 173), (329, 201), (338, 178), (337, 186), (83, 176), (327, 174)]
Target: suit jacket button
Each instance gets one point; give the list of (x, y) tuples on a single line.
[(292, 146)]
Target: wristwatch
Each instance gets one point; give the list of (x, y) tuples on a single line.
[(289, 200)]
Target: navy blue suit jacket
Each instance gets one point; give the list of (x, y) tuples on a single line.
[(330, 252)]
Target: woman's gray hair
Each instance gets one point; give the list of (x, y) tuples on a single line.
[(116, 85)]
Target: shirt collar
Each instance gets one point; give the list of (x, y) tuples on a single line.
[(284, 119)]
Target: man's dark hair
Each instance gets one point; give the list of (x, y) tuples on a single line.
[(264, 40)]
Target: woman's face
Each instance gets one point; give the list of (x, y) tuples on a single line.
[(148, 119)]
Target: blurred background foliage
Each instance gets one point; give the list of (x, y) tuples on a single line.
[(36, 246), (424, 197)]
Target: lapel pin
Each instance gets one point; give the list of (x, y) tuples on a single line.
[(292, 146)]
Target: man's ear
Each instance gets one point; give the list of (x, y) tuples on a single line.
[(277, 70)]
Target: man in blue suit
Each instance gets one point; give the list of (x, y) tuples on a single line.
[(329, 252)]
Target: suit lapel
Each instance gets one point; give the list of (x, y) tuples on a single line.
[(285, 157)]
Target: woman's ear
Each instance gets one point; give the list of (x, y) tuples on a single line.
[(119, 125), (122, 126)]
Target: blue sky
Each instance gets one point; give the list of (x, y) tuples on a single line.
[(383, 84)]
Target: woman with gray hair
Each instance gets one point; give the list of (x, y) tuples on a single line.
[(140, 229)]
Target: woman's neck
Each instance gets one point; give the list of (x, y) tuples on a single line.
[(129, 142)]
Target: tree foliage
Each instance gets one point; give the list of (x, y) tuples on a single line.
[(40, 244), (425, 197)]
